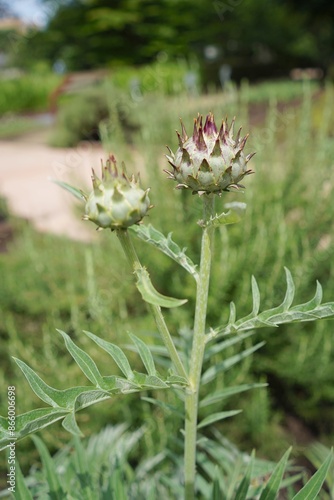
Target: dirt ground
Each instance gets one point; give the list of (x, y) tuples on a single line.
[(27, 168)]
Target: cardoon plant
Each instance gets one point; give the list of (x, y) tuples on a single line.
[(209, 163)]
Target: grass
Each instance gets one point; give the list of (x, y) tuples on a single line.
[(289, 221)]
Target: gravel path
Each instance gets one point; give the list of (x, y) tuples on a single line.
[(26, 168)]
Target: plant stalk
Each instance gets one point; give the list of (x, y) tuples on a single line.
[(131, 254), (197, 353)]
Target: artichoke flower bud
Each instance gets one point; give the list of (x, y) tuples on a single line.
[(116, 201), (210, 161)]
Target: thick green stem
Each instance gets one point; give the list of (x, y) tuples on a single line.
[(197, 353), (133, 259)]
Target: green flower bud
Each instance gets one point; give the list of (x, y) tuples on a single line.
[(210, 161), (116, 201)]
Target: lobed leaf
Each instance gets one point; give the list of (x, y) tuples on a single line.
[(284, 313), (145, 354), (54, 397), (115, 352), (165, 245), (70, 425), (30, 422), (83, 360)]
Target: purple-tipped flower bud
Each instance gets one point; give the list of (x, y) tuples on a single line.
[(210, 161), (116, 202)]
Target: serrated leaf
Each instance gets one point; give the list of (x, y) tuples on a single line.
[(22, 491), (313, 486), (151, 295), (212, 372), (77, 193), (271, 489), (241, 493), (166, 245), (70, 424), (115, 352), (55, 490), (218, 396), (83, 360), (215, 417), (145, 354)]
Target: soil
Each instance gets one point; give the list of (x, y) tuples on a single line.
[(28, 166)]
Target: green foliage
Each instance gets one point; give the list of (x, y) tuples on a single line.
[(94, 34), (29, 92), (80, 116), (66, 403), (103, 466), (301, 239)]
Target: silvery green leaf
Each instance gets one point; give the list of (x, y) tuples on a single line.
[(115, 352), (215, 417), (166, 245), (145, 354), (83, 360), (284, 313), (32, 421), (232, 216), (151, 295), (216, 397), (70, 424), (212, 371)]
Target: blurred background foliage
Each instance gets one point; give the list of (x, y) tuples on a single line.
[(161, 60), (258, 38)]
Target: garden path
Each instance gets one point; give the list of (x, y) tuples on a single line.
[(27, 166)]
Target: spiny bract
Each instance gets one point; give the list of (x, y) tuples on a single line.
[(116, 202), (209, 161)]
